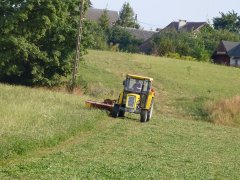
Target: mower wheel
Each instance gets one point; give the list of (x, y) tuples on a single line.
[(115, 112), (143, 115)]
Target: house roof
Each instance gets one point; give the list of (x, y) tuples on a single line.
[(187, 26), (140, 33), (229, 45), (94, 15), (236, 51), (230, 48)]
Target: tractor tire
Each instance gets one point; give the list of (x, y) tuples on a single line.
[(121, 113), (143, 116), (115, 112), (149, 114)]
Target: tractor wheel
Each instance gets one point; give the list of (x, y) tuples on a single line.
[(121, 113), (149, 114), (143, 115), (115, 112)]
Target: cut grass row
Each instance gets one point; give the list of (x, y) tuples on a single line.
[(34, 118)]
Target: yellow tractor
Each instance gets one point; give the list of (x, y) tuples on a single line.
[(136, 97)]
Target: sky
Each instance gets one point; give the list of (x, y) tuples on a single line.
[(154, 14)]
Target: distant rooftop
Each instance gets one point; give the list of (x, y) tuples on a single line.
[(140, 33), (94, 15), (185, 26), (232, 48)]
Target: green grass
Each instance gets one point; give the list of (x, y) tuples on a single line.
[(126, 149), (51, 135), (32, 118)]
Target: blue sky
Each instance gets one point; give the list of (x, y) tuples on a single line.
[(158, 13)]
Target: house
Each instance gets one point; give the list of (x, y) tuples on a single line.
[(140, 34), (181, 25), (227, 53), (94, 15)]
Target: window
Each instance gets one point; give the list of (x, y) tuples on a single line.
[(136, 85)]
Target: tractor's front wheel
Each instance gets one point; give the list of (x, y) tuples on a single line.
[(121, 113), (116, 109), (143, 115)]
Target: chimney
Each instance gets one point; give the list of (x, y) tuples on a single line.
[(181, 23)]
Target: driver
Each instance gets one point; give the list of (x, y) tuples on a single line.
[(137, 86)]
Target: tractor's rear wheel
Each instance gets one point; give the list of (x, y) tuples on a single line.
[(149, 114), (116, 109), (143, 115)]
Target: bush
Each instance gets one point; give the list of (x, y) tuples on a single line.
[(177, 56)]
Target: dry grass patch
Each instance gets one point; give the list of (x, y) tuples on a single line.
[(225, 112)]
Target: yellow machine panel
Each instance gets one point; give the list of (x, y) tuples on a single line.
[(132, 101)]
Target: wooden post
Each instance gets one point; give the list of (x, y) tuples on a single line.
[(78, 45)]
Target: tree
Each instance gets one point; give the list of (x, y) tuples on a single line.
[(89, 3), (37, 40), (229, 21), (127, 17), (125, 41), (199, 46), (104, 20), (97, 38), (184, 44)]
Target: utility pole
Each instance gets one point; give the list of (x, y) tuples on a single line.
[(78, 45)]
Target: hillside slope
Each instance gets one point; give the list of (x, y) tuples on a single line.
[(49, 135), (183, 87)]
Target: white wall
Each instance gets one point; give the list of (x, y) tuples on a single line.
[(234, 61)]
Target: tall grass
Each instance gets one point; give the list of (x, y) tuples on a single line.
[(226, 112), (32, 118)]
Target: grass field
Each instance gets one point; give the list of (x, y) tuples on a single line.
[(183, 88), (33, 118), (51, 135)]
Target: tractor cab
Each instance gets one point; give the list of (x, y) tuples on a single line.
[(137, 97), (136, 85)]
